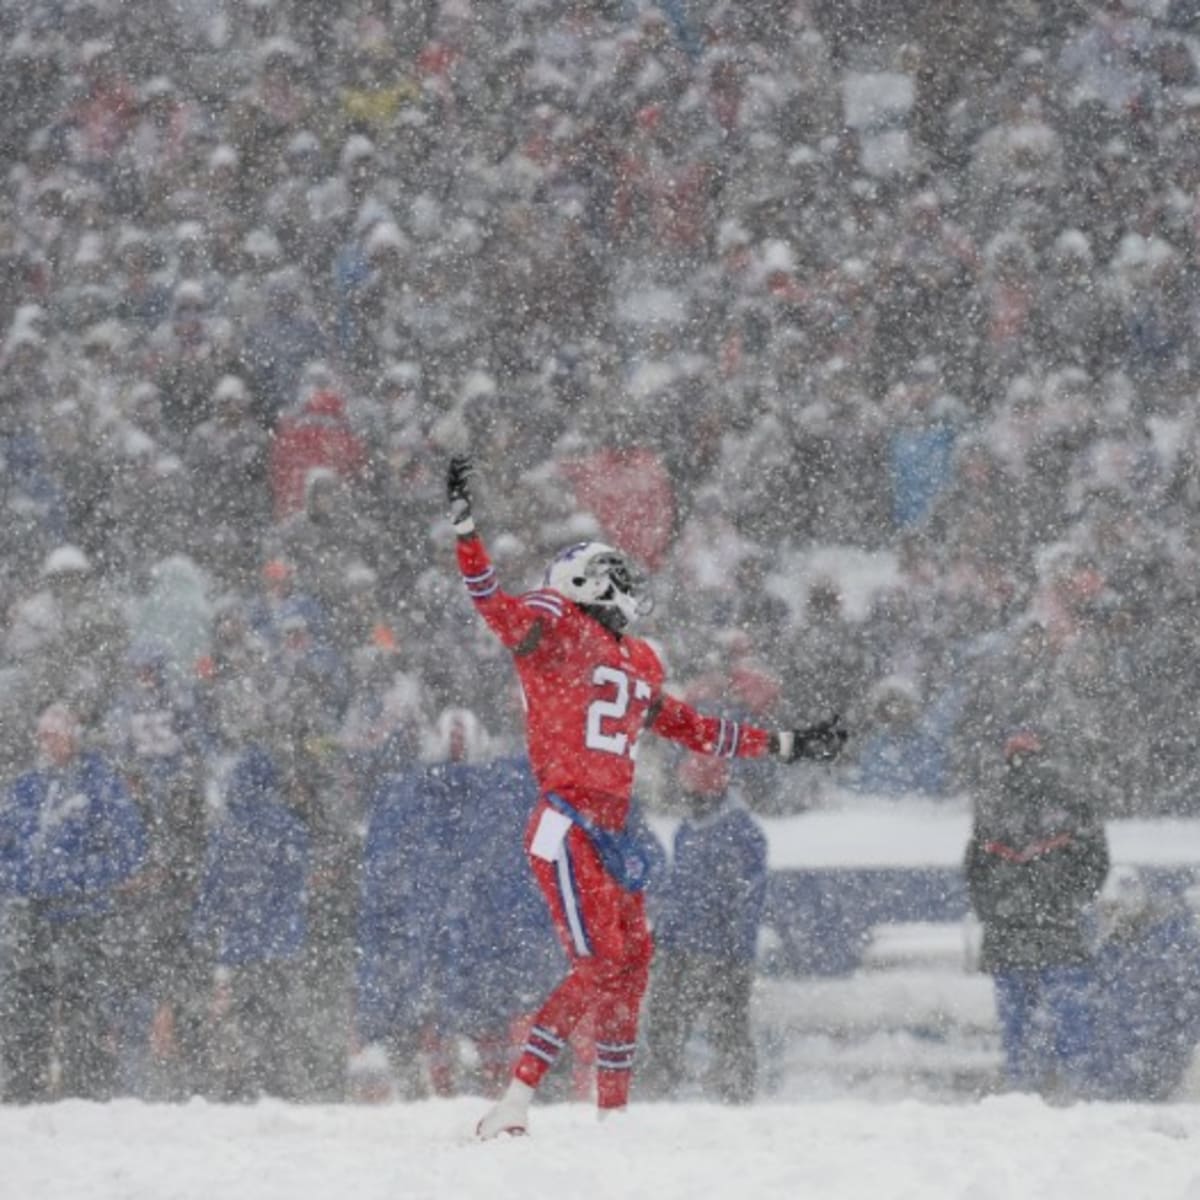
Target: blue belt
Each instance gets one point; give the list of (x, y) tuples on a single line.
[(619, 851)]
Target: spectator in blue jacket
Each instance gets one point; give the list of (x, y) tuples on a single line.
[(705, 930), (496, 951), (70, 838), (454, 939), (441, 915), (502, 951), (921, 444), (1147, 991), (402, 895), (251, 916), (900, 753), (152, 732)]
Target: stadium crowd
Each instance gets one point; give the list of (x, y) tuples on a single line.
[(729, 284)]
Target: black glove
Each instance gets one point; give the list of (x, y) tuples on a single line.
[(822, 742), (458, 494)]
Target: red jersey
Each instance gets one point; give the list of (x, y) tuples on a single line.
[(589, 693)]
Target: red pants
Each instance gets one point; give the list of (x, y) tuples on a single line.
[(604, 932)]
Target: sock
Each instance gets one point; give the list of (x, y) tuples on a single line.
[(517, 1094)]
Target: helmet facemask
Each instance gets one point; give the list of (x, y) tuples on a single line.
[(602, 581)]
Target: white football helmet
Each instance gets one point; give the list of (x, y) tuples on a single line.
[(596, 575)]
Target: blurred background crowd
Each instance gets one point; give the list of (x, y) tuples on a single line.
[(739, 287)]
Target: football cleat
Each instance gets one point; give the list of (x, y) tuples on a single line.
[(509, 1116)]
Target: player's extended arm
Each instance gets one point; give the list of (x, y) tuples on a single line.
[(516, 621), (672, 718)]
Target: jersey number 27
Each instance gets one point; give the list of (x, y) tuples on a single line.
[(612, 709)]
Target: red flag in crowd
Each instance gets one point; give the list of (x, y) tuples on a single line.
[(629, 492)]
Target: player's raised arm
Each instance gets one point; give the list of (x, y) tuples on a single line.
[(458, 495), (672, 718), (517, 621)]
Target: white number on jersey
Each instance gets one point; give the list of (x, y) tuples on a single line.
[(613, 707)]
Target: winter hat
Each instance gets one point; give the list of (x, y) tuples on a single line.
[(230, 387), (703, 775), (1022, 742), (384, 237), (262, 247), (276, 570), (65, 560), (357, 147), (189, 294), (57, 719)]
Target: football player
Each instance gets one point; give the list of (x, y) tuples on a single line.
[(590, 689)]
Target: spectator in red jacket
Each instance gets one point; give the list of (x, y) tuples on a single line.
[(319, 435)]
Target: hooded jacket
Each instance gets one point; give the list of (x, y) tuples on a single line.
[(1036, 859), (319, 435)]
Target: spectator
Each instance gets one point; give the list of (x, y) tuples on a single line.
[(317, 436), (899, 754), (189, 355), (327, 538), (1013, 674), (400, 919), (175, 613), (250, 918), (1071, 321), (826, 652), (69, 631), (1147, 990), (265, 115), (70, 838), (232, 686), (310, 681), (705, 930), (229, 451), (925, 424), (107, 108), (144, 297), (1036, 859), (1107, 59), (507, 925), (151, 730), (278, 594), (279, 345)]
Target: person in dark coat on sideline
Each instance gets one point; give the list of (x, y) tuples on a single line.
[(1036, 859)]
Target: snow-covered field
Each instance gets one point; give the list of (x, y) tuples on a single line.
[(1001, 1148), (873, 1083)]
